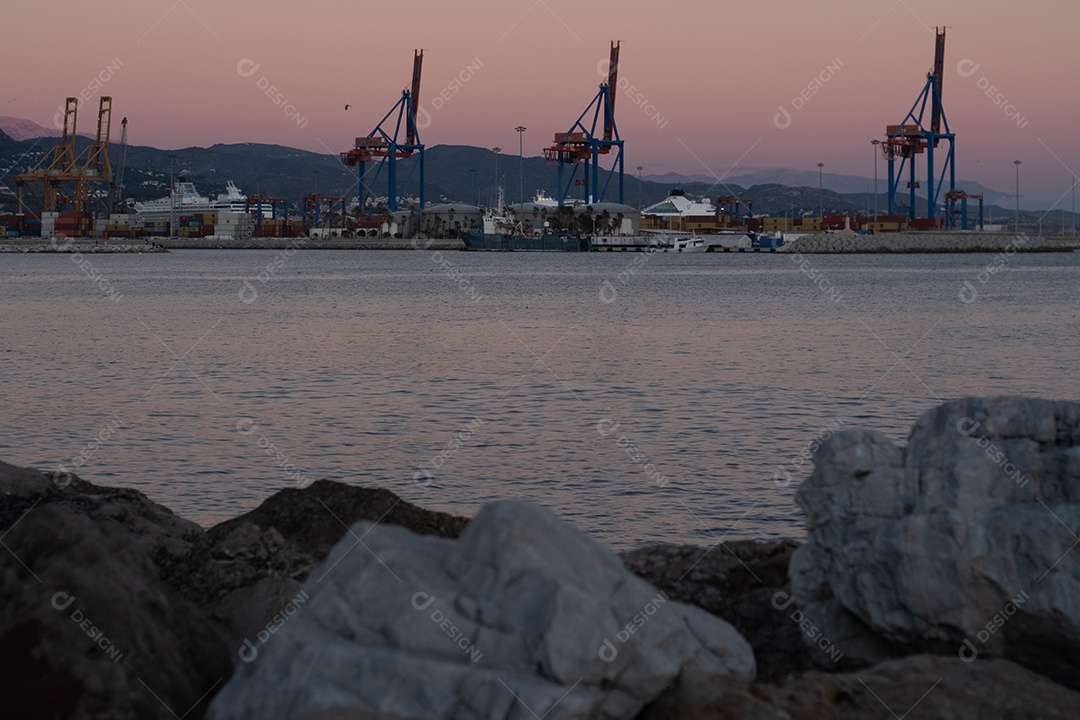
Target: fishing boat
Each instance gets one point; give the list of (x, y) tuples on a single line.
[(499, 231)]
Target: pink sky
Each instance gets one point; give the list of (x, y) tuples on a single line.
[(711, 76)]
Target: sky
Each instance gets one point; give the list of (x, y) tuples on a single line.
[(705, 87)]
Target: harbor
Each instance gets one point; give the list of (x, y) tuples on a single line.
[(83, 197)]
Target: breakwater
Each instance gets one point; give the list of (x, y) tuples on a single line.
[(930, 242), (77, 245)]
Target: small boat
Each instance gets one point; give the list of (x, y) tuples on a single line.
[(679, 243)]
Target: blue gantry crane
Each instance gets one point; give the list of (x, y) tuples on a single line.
[(581, 146), (952, 212), (911, 138), (384, 144)]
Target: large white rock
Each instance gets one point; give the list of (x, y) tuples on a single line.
[(967, 541), (522, 617)]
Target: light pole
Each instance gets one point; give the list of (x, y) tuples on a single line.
[(497, 150), (521, 166), (1017, 163), (821, 192), (172, 195), (875, 144), (639, 169)]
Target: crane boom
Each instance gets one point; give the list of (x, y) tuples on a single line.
[(418, 62), (96, 168), (118, 179), (62, 165), (612, 83), (939, 74)]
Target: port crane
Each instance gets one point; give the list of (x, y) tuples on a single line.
[(62, 165), (315, 206), (913, 137), (732, 206), (96, 167), (582, 146), (117, 193), (384, 141), (952, 213)]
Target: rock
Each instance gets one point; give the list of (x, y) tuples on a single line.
[(965, 542), (924, 687), (169, 604), (520, 616), (87, 627), (919, 686), (245, 570), (745, 582), (920, 242)]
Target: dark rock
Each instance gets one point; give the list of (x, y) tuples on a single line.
[(924, 686), (919, 686), (245, 570), (166, 602), (744, 582), (84, 615)]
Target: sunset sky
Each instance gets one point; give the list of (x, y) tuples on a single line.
[(708, 78)]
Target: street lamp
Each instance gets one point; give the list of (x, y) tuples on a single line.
[(639, 169), (875, 143), (1017, 163), (521, 166), (821, 192), (497, 150), (172, 195)]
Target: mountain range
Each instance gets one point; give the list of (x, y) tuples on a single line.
[(845, 184), (454, 173)]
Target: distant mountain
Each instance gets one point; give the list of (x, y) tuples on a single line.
[(674, 178), (22, 129), (845, 184), (281, 172), (849, 184)]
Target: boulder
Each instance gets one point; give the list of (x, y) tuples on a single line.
[(522, 616), (109, 599), (87, 627), (925, 687), (745, 582), (965, 542), (244, 571)]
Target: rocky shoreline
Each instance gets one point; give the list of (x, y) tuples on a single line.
[(848, 242), (943, 575), (79, 245)]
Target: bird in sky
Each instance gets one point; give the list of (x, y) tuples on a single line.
[(348, 106)]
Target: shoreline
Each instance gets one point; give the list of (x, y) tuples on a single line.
[(839, 243), (281, 603)]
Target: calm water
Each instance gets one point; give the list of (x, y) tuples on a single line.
[(661, 415)]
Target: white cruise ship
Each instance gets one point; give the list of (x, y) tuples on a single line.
[(185, 200)]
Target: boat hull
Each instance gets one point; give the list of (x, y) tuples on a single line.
[(541, 243)]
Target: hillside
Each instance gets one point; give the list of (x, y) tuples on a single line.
[(281, 172)]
